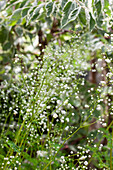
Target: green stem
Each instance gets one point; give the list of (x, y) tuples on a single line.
[(111, 151), (61, 146)]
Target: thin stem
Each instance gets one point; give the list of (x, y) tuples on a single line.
[(61, 146), (111, 151)]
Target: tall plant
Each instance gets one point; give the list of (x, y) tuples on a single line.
[(56, 97)]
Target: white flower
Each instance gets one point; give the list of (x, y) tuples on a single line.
[(67, 119), (103, 83), (85, 163), (48, 107), (28, 110), (62, 120), (98, 107), (17, 69), (100, 59), (108, 60), (93, 70), (86, 106), (41, 153), (106, 35), (66, 102), (66, 128), (62, 157), (63, 112), (55, 115), (109, 74), (79, 147), (104, 124), (58, 102), (111, 113), (6, 158), (83, 157)]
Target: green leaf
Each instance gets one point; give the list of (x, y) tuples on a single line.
[(92, 2), (25, 11), (70, 13), (13, 146), (1, 58), (0, 19), (23, 3), (49, 8), (63, 2), (12, 1), (19, 30), (1, 156), (3, 34), (11, 4), (36, 13), (99, 20), (82, 16), (92, 22), (66, 10), (2, 4), (106, 3), (98, 7), (106, 7), (2, 71), (67, 7), (6, 46), (73, 15), (65, 37), (15, 17), (6, 57)]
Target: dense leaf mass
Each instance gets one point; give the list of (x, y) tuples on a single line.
[(56, 84)]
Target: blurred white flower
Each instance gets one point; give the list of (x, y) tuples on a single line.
[(66, 128), (103, 83), (67, 119), (55, 115), (41, 153), (17, 69), (86, 106), (83, 157), (86, 163), (108, 60)]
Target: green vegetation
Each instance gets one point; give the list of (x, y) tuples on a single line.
[(56, 84)]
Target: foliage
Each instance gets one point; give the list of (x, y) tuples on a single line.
[(21, 22), (56, 108)]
